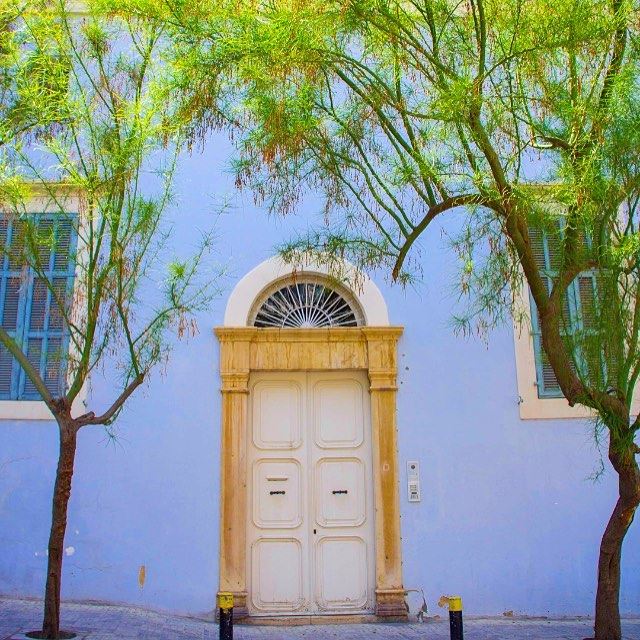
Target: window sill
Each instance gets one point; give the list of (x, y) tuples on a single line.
[(36, 409), (535, 408), (24, 410), (531, 406)]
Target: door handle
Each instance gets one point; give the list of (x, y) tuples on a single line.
[(277, 493), (339, 491)]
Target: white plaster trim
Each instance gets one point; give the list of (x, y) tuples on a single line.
[(258, 279), (24, 410), (37, 409), (531, 406)]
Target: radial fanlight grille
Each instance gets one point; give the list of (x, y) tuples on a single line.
[(308, 303)]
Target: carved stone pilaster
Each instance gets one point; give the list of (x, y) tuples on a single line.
[(390, 604), (233, 486)]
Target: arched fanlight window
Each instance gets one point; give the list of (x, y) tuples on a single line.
[(306, 302)]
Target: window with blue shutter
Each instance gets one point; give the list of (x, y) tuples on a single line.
[(28, 309), (579, 306)]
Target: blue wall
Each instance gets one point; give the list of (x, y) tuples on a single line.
[(508, 518)]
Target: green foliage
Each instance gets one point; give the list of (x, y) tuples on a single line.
[(33, 71), (524, 112), (93, 132)]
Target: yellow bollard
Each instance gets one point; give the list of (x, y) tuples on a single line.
[(455, 615), (225, 602)]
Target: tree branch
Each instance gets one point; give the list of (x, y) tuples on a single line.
[(91, 418), (615, 65), (436, 209), (553, 142), (568, 276), (28, 368)]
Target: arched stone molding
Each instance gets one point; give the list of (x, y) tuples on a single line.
[(244, 350), (266, 273)]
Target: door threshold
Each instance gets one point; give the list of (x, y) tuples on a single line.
[(314, 619)]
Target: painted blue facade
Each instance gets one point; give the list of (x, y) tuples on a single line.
[(508, 518)]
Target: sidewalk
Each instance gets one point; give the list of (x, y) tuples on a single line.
[(102, 622)]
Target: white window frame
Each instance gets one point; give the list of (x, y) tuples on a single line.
[(531, 406), (41, 202)]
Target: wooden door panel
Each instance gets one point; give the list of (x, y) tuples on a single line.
[(343, 545), (340, 492), (338, 414), (277, 493), (277, 576), (347, 588), (277, 537), (277, 414)]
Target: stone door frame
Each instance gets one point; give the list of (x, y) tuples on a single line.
[(372, 349)]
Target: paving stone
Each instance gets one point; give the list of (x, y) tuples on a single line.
[(106, 622)]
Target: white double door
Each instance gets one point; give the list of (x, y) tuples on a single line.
[(310, 531)]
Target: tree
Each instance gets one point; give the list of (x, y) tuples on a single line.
[(85, 268), (522, 115)]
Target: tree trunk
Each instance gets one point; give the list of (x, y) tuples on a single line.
[(607, 623), (61, 492)]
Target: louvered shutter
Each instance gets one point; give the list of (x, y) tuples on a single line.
[(586, 292), (546, 252), (28, 309), (8, 308), (579, 311), (46, 338), (15, 276)]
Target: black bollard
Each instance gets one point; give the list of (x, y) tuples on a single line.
[(455, 618), (225, 602), (455, 615)]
